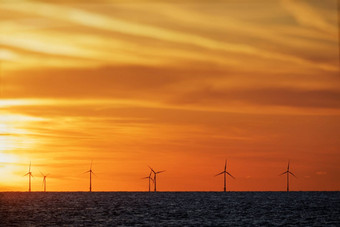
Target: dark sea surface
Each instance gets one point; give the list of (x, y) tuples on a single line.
[(170, 209)]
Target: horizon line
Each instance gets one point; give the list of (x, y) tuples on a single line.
[(169, 191)]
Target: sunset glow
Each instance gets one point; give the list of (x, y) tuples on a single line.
[(177, 85)]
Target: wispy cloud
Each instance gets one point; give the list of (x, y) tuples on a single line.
[(172, 83), (307, 15), (94, 20)]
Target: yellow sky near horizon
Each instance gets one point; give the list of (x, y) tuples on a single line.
[(177, 85)]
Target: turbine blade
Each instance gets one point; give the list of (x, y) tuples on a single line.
[(145, 178), (160, 171), (91, 164), (41, 173), (231, 175), (283, 173), (219, 173), (26, 174), (152, 169), (288, 165), (292, 174), (225, 165), (29, 168), (86, 172)]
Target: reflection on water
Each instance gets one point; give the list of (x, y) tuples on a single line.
[(170, 208)]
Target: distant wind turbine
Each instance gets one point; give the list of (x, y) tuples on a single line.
[(154, 177), (225, 172), (287, 172), (29, 173), (91, 172), (44, 180), (150, 179)]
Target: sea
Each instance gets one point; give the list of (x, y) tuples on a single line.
[(170, 209)]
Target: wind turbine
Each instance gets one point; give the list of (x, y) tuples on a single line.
[(44, 180), (225, 172), (154, 177), (29, 173), (150, 179), (90, 171), (287, 172)]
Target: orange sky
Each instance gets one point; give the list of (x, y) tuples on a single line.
[(177, 86)]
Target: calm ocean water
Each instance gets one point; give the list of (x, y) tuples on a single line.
[(170, 209)]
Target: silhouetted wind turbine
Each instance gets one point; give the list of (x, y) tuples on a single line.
[(29, 177), (44, 180), (154, 177), (287, 172), (150, 179), (225, 172), (91, 172)]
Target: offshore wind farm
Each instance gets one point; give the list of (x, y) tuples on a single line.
[(152, 177), (169, 113), (167, 208)]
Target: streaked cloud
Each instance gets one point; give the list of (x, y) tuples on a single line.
[(307, 15), (81, 17), (170, 84)]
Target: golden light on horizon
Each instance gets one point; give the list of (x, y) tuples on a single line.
[(177, 86)]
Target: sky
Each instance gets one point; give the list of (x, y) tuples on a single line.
[(180, 86)]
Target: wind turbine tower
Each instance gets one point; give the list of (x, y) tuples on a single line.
[(287, 172), (155, 177), (91, 172), (29, 173), (150, 179), (225, 172), (44, 180)]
